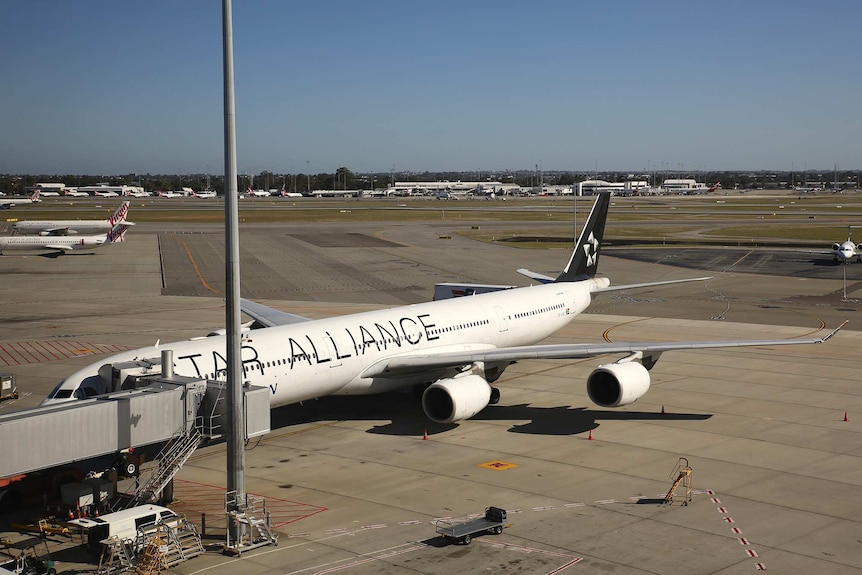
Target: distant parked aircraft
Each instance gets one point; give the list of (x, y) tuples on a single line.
[(71, 227), (63, 244), (258, 193), (6, 203), (286, 194)]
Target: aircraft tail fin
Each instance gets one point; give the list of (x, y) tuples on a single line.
[(585, 258), (117, 232), (35, 196), (119, 214)]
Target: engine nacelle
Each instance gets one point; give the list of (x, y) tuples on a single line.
[(450, 400), (618, 384)]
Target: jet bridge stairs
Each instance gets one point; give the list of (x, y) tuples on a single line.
[(144, 408)]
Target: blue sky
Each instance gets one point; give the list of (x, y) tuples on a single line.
[(107, 87)]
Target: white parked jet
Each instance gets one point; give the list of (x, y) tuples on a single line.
[(70, 227), (6, 203), (258, 193), (63, 244), (460, 346), (206, 194), (846, 252), (74, 193)]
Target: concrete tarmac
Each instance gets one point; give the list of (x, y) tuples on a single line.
[(352, 484)]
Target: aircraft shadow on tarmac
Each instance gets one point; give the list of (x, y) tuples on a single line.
[(406, 417)]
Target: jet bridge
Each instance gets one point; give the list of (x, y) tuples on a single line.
[(158, 409)]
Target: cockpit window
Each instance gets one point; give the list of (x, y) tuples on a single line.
[(57, 389), (84, 392), (63, 394)]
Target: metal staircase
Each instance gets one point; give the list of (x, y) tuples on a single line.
[(152, 559), (183, 543), (681, 474), (171, 459), (117, 557), (251, 522), (167, 544)]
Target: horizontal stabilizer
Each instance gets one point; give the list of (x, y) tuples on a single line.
[(267, 316), (536, 276)]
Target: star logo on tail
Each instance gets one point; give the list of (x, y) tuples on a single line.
[(591, 250)]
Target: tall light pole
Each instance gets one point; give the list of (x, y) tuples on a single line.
[(235, 427), (308, 175)]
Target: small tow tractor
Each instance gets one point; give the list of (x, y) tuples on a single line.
[(463, 531), (29, 562)]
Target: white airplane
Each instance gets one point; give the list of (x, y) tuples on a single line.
[(847, 251), (204, 194), (285, 194), (6, 203), (71, 227), (459, 346), (45, 194), (74, 193), (170, 195), (107, 194), (258, 193), (61, 244)]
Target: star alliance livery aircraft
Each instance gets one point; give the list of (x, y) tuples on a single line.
[(459, 346)]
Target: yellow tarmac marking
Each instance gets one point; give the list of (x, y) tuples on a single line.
[(498, 465)]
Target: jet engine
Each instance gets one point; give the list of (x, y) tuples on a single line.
[(618, 384), (450, 400)]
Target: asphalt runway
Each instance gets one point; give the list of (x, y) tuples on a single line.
[(354, 486)]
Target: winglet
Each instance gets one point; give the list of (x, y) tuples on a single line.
[(834, 331)]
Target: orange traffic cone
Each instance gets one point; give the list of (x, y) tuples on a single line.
[(425, 436), (845, 416), (591, 435)]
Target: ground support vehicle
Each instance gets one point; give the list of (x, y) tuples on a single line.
[(463, 531), (8, 389)]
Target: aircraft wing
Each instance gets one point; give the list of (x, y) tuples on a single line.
[(61, 247), (58, 231), (408, 363), (648, 284), (542, 278), (268, 316)]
